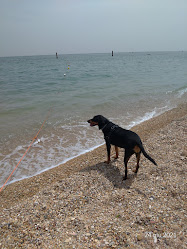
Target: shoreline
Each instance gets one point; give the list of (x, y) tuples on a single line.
[(148, 116), (144, 129), (85, 204)]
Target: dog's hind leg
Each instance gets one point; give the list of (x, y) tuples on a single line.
[(117, 152), (138, 159), (128, 154)]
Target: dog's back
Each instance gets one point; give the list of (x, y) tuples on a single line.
[(124, 138)]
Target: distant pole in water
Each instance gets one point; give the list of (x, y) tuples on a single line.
[(56, 55), (112, 53)]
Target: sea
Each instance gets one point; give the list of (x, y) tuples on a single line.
[(61, 94)]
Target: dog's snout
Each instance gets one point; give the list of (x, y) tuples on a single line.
[(88, 121)]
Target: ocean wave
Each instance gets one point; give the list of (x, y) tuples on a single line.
[(178, 92), (148, 115), (181, 92)]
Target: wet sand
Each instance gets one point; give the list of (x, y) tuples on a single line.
[(73, 189)]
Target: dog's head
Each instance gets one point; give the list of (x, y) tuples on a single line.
[(98, 120)]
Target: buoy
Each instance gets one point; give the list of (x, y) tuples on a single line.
[(64, 74)]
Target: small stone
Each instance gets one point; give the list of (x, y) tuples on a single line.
[(96, 241), (149, 216), (184, 153), (67, 240), (152, 222), (73, 234), (88, 234), (139, 237), (155, 239)]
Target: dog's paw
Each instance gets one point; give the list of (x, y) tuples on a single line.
[(115, 157), (124, 178), (135, 171), (107, 162)]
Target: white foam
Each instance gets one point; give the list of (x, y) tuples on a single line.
[(181, 92), (70, 127), (148, 115), (17, 150), (54, 166)]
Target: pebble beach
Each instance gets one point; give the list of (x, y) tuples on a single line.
[(85, 204)]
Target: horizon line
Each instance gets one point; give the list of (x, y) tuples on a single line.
[(84, 53)]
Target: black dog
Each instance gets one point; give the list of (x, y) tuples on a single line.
[(115, 135)]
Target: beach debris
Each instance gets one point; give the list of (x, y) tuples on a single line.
[(37, 141)]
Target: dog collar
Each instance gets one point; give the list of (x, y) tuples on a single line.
[(112, 129), (104, 127)]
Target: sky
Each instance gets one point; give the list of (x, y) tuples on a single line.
[(42, 27)]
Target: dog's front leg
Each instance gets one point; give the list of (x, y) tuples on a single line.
[(108, 147)]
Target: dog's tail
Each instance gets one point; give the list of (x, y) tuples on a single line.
[(146, 155)]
